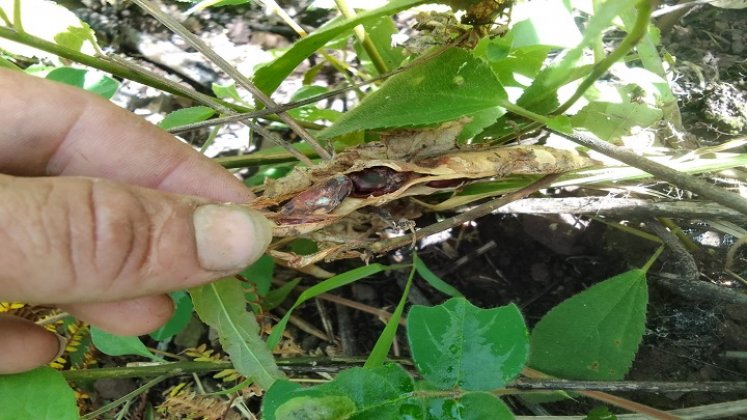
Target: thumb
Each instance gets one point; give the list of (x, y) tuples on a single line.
[(66, 240)]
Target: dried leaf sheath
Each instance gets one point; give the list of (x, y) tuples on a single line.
[(312, 200)]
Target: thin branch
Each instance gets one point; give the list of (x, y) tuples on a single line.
[(230, 70), (626, 386), (610, 399), (477, 212), (639, 31), (622, 208), (365, 41), (665, 173)]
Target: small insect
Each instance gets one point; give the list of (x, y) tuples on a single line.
[(376, 181), (320, 199)]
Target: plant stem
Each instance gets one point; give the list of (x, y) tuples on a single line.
[(150, 384), (477, 212), (363, 38), (665, 173), (653, 259), (102, 64), (639, 30), (230, 70)]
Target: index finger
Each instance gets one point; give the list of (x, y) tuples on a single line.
[(52, 129)]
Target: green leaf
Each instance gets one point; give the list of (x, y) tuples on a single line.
[(117, 345), (457, 344), (91, 81), (51, 22), (312, 112), (316, 407), (380, 31), (186, 116), (561, 124), (228, 91), (375, 393), (182, 314), (277, 296), (204, 4), (316, 290), (610, 121), (303, 246), (7, 64), (222, 306), (260, 274), (41, 393), (432, 279), (381, 349), (450, 86), (269, 77), (278, 394), (75, 37), (471, 406), (595, 334)]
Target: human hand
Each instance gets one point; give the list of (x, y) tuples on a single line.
[(102, 213)]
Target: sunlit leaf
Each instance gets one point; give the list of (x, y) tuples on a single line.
[(186, 116), (359, 393), (41, 393), (449, 86), (222, 305), (182, 314), (92, 81), (323, 287), (118, 345), (457, 344), (595, 334), (269, 77)]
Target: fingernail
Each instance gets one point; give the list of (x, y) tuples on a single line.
[(229, 237), (62, 345)]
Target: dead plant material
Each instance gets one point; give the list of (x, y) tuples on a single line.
[(355, 196)]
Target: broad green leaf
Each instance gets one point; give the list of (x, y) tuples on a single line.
[(595, 334), (311, 112), (222, 306), (117, 345), (186, 116), (457, 344), (561, 124), (91, 81), (303, 246), (51, 22), (41, 393), (260, 274), (480, 120), (376, 393), (472, 406), (610, 121), (269, 77), (380, 31), (316, 290), (75, 38), (278, 394), (317, 407), (431, 278), (182, 314), (449, 86)]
